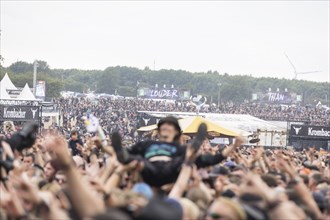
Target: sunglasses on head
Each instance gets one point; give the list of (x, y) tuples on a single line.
[(214, 215), (62, 180)]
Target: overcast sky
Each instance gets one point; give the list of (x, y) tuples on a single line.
[(233, 37)]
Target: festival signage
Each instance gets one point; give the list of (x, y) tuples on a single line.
[(198, 101), (277, 97), (14, 92), (156, 93), (41, 90), (164, 93), (19, 113), (145, 120), (320, 132)]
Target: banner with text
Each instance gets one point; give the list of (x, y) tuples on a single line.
[(310, 131), (156, 93), (19, 113), (41, 90), (278, 97)]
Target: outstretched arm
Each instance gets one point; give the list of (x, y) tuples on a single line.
[(181, 182), (82, 196), (205, 160)]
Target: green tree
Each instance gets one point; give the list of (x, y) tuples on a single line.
[(21, 67)]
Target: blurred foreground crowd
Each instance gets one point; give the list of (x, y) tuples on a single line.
[(83, 179)]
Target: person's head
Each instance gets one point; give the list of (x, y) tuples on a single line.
[(74, 135), (225, 209), (190, 209), (256, 169), (169, 129), (314, 180), (60, 178), (198, 197), (49, 171), (28, 160), (110, 214), (270, 180)]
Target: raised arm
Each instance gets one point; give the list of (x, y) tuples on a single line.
[(300, 188), (82, 196), (181, 182), (205, 160)]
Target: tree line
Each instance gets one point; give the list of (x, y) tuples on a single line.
[(125, 81)]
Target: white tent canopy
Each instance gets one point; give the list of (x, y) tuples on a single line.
[(3, 93), (239, 122), (6, 83), (26, 94)]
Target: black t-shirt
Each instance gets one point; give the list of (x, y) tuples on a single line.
[(73, 146), (149, 149), (158, 173)]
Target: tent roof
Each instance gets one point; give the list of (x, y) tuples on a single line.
[(7, 83), (235, 122), (190, 125), (3, 93), (26, 94)]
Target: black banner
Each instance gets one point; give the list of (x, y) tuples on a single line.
[(19, 113), (319, 132), (145, 120)]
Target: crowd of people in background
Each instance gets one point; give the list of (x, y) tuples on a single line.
[(122, 114)]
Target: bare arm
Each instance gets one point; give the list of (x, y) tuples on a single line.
[(38, 159), (82, 195), (300, 188), (115, 178), (238, 142), (108, 170), (181, 182)]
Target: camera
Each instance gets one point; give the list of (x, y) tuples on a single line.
[(19, 141), (25, 138)]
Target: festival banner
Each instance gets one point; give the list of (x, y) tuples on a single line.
[(320, 132), (278, 97), (41, 90), (156, 93), (19, 113), (145, 120)]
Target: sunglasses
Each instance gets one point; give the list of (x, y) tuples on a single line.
[(216, 216), (60, 180)]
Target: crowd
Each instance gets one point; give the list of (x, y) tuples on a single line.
[(166, 178), (122, 114)]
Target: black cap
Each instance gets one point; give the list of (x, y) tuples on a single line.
[(169, 120)]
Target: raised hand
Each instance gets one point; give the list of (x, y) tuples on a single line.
[(10, 201), (26, 189), (59, 147), (239, 140)]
